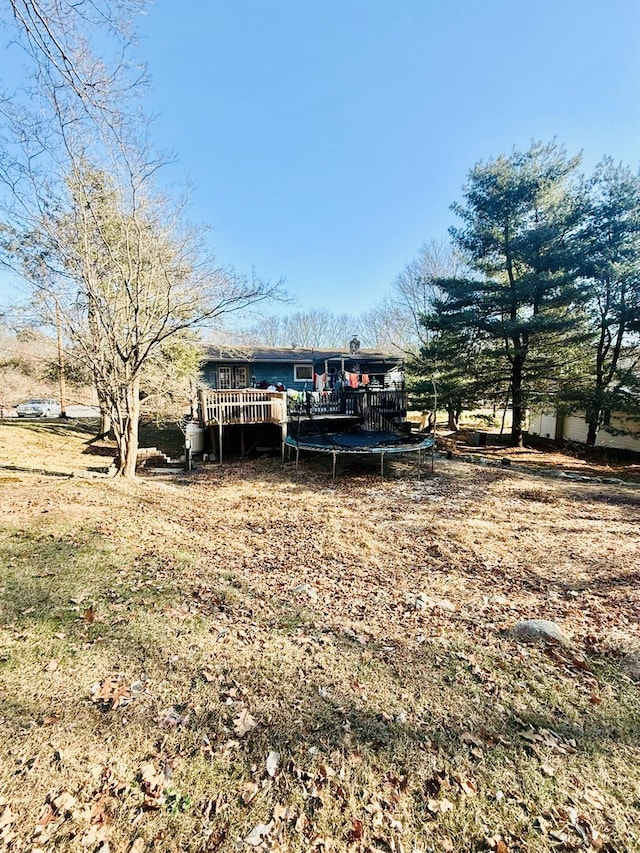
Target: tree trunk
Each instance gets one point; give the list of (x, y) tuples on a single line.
[(129, 459), (452, 420), (105, 426), (593, 419), (125, 418), (518, 407)]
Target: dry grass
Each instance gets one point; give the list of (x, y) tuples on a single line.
[(161, 639)]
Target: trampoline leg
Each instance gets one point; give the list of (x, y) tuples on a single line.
[(382, 464), (333, 470), (297, 456), (419, 464)]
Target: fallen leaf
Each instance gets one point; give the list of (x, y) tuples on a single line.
[(153, 784), (356, 832), (467, 786), (259, 833), (394, 825), (64, 802), (51, 666), (243, 723), (7, 816), (249, 790), (281, 812), (47, 815), (97, 834), (594, 798), (111, 692), (172, 718)]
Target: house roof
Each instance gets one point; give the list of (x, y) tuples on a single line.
[(290, 355)]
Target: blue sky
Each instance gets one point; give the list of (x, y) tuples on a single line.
[(326, 139)]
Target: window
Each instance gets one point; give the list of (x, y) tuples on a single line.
[(232, 377), (240, 377), (303, 373), (224, 378)]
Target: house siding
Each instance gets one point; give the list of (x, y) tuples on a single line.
[(575, 428), (269, 373)]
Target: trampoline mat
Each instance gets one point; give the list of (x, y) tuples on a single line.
[(359, 442), (362, 440)]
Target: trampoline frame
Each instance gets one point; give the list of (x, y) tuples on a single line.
[(335, 451)]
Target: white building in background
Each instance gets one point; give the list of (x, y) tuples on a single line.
[(575, 428)]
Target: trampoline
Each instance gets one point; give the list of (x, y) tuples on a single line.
[(361, 443)]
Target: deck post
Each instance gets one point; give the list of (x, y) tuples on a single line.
[(382, 465), (333, 470), (284, 429), (220, 440)]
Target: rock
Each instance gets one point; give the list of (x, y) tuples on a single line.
[(419, 601), (539, 630), (631, 665), (309, 591)]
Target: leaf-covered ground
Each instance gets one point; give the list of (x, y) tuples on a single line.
[(243, 659)]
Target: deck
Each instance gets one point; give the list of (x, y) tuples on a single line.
[(376, 409), (246, 406)]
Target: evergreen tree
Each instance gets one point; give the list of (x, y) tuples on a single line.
[(611, 267), (456, 362), (520, 218)]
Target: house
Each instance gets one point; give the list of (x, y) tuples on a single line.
[(255, 396), (298, 368)]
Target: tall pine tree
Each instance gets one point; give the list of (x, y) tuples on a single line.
[(520, 216)]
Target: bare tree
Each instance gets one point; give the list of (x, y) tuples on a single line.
[(396, 324), (127, 279), (85, 223), (314, 328), (64, 39)]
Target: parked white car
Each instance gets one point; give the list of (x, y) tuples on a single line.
[(39, 408)]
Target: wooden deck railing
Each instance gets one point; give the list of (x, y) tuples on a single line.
[(376, 407), (247, 406), (253, 406)]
